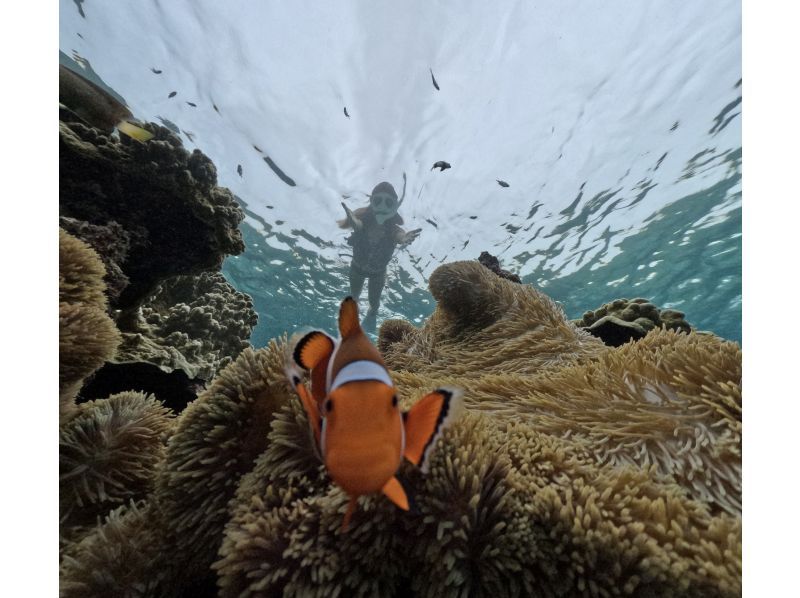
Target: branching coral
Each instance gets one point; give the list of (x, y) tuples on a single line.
[(197, 324), (108, 453)]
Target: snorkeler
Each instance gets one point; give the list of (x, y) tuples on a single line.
[(376, 234)]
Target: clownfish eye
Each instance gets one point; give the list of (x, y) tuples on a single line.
[(328, 405), (394, 401)]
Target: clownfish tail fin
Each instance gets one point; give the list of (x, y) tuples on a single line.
[(394, 491), (348, 318), (427, 419)]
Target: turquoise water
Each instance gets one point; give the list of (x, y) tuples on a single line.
[(617, 128)]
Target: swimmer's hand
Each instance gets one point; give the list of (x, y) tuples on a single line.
[(352, 218), (410, 236)]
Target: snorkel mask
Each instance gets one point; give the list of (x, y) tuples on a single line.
[(383, 201)]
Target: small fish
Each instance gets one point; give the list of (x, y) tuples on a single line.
[(96, 106), (502, 183), (271, 207), (189, 135), (255, 147), (216, 109), (435, 84), (473, 217), (192, 104), (172, 94), (442, 165), (345, 112), (432, 223), (358, 428), (239, 169), (155, 70)]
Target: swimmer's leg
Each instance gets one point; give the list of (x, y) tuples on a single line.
[(356, 282), (374, 290)]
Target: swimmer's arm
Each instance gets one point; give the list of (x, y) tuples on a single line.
[(352, 219), (404, 238)]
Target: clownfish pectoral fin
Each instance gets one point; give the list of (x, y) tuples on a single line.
[(348, 318), (309, 405), (348, 515), (395, 492), (426, 420), (311, 349)]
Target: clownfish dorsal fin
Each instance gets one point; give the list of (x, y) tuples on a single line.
[(348, 318), (427, 419), (395, 492)]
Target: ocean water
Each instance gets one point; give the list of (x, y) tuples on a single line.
[(617, 127)]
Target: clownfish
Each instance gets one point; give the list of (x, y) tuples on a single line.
[(358, 427)]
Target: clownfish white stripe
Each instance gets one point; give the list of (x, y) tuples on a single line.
[(361, 370)]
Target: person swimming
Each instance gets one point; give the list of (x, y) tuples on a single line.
[(376, 234)]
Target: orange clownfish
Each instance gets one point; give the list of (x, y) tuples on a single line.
[(361, 434)]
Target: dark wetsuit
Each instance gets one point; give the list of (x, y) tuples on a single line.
[(373, 247)]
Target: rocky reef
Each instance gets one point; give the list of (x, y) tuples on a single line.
[(159, 204), (161, 227), (578, 470)]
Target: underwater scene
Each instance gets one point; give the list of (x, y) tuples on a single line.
[(400, 299)]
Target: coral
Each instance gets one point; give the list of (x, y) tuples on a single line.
[(123, 557), (111, 242), (482, 321), (177, 220), (197, 324), (393, 331), (491, 262), (578, 469), (217, 439), (623, 320), (107, 455), (80, 272), (87, 336)]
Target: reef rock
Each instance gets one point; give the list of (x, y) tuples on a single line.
[(197, 324), (577, 470), (175, 218), (491, 262), (623, 320)]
